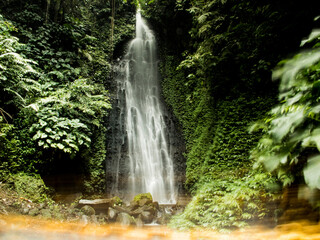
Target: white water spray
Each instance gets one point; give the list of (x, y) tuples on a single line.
[(148, 157)]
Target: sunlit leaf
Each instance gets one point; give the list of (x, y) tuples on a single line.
[(312, 172)]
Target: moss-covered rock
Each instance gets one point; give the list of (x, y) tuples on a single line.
[(141, 196), (88, 210), (116, 201)]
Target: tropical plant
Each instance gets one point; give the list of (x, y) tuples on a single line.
[(66, 117), (290, 146), (17, 75)]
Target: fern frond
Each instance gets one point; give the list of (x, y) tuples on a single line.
[(17, 94), (203, 17), (204, 29)]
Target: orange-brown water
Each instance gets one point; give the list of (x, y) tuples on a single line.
[(27, 228)]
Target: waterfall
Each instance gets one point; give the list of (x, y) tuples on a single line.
[(148, 162)]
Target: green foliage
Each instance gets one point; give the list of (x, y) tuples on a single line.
[(30, 187), (18, 153), (228, 203), (58, 79), (17, 75), (290, 146), (246, 36), (227, 193), (9, 151), (94, 158), (17, 86), (66, 118), (216, 90), (215, 130)]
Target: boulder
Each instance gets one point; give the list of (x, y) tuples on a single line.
[(122, 209), (156, 205), (133, 205), (102, 218), (42, 205), (163, 218), (25, 210), (125, 219), (112, 214), (147, 217), (88, 210), (141, 196), (100, 205), (144, 201), (145, 208), (139, 222), (58, 215)]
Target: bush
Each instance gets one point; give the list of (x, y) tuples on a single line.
[(229, 203)]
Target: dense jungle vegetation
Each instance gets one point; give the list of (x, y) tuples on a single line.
[(243, 89)]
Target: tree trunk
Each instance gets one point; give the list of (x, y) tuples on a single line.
[(47, 11)]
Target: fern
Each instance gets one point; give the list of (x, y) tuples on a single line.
[(15, 70)]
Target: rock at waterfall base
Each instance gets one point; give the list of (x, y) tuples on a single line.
[(125, 219), (88, 210), (112, 214)]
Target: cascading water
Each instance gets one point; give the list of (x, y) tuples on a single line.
[(150, 166)]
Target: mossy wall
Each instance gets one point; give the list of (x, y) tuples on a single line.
[(215, 131)]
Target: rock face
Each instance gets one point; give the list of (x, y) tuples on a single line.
[(141, 210)]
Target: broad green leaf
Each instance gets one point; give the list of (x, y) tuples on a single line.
[(44, 135), (60, 146), (283, 124), (312, 172), (270, 162), (42, 123), (48, 130), (313, 140), (75, 147)]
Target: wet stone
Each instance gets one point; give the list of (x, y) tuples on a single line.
[(112, 214), (139, 222), (133, 205), (125, 219), (145, 201), (146, 217)]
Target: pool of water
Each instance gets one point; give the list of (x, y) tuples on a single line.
[(27, 228)]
